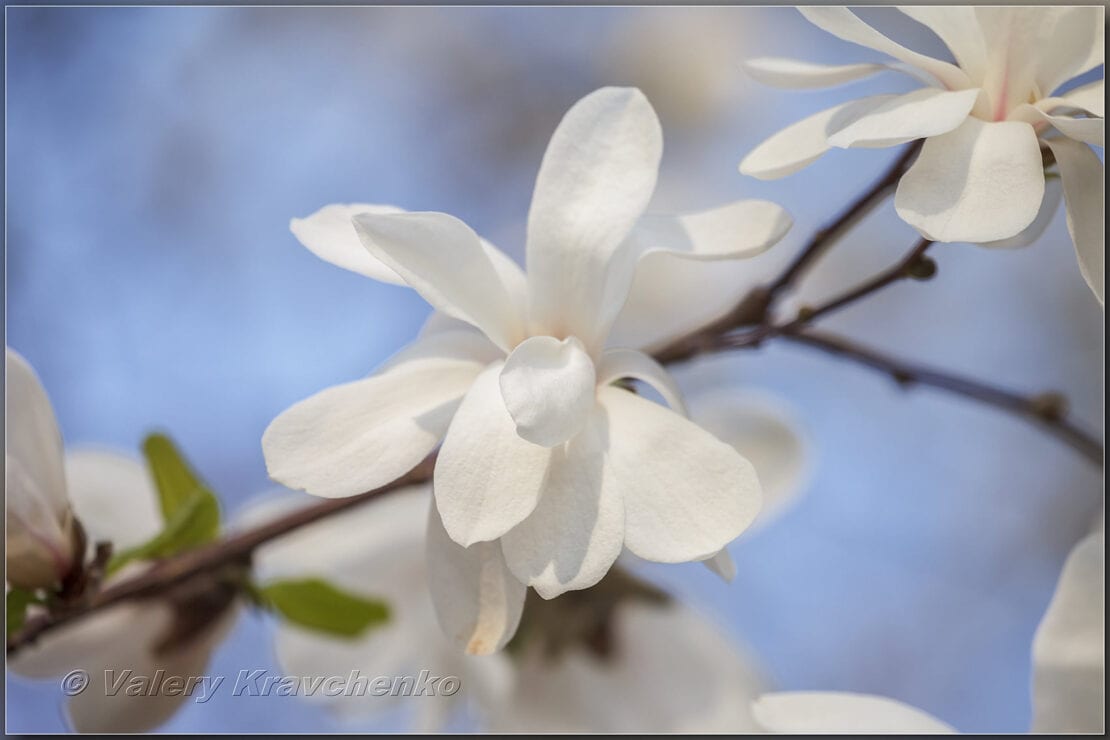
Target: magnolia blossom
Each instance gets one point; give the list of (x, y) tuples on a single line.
[(39, 529), (985, 119), (670, 670), (115, 500), (1069, 671), (547, 469)]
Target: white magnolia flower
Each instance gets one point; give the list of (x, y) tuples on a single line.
[(546, 469), (985, 120), (1069, 671), (39, 529), (669, 671), (376, 551)]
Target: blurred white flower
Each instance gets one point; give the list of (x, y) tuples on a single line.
[(547, 469), (376, 551), (1069, 670), (1069, 649), (980, 175), (669, 671), (39, 529), (801, 712)]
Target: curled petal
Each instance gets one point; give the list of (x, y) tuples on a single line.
[(628, 363), (741, 229), (1081, 173), (800, 712), (487, 478), (477, 600), (548, 388), (577, 529), (981, 182), (330, 234), (1087, 130), (446, 262), (686, 493), (802, 143), (903, 118), (597, 176), (844, 24)]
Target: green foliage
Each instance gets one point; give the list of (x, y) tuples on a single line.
[(317, 605), (190, 511), (18, 599)]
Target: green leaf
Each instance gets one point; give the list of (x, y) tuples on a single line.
[(17, 601), (175, 480), (317, 605), (190, 510)]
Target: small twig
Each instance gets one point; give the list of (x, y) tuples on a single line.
[(1046, 410), (859, 208)]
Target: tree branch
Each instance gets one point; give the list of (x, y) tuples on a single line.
[(1047, 411)]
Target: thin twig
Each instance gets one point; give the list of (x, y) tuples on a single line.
[(1046, 410)]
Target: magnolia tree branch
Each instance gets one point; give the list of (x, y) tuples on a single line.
[(1047, 411), (753, 310)]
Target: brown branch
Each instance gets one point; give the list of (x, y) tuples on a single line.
[(1047, 411), (753, 308)]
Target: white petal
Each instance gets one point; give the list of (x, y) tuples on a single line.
[(1069, 43), (1053, 194), (915, 115), (686, 493), (330, 234), (1090, 97), (355, 437), (487, 478), (597, 176), (38, 535), (577, 530), (1069, 670), (740, 229), (617, 364), (844, 24), (722, 564), (446, 262), (798, 712), (801, 143), (114, 497), (764, 430), (548, 385), (981, 182), (1088, 130), (799, 75), (958, 27), (1081, 172), (478, 601)]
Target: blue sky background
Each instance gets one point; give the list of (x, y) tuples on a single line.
[(156, 155)]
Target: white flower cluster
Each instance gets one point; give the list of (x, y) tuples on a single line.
[(549, 465)]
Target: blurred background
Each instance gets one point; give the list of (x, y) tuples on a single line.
[(156, 155)]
